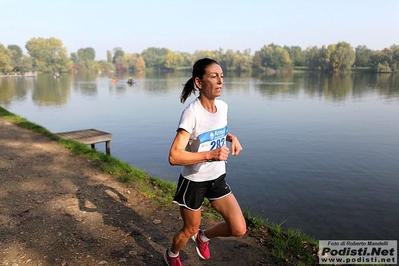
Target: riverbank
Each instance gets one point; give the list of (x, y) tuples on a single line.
[(10, 76), (61, 208)]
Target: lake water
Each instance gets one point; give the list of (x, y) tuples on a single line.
[(321, 152)]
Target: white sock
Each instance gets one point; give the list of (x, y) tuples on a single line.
[(203, 237), (171, 254)]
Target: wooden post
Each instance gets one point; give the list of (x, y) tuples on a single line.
[(108, 147)]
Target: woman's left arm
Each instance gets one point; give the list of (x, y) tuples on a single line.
[(236, 147)]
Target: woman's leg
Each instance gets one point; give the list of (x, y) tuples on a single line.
[(191, 223), (234, 222)]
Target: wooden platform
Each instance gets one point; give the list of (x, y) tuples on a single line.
[(89, 136)]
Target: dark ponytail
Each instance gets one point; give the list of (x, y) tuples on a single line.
[(198, 72), (188, 89)]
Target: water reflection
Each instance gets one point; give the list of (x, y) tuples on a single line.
[(118, 88), (272, 85), (86, 88), (384, 84), (388, 84), (334, 87), (48, 90), (14, 89)]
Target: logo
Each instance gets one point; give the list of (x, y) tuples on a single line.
[(358, 252), (212, 136)]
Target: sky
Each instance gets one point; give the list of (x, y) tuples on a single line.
[(188, 25)]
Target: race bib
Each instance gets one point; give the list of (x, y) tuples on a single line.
[(213, 139)]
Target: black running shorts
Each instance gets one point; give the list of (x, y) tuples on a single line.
[(190, 194)]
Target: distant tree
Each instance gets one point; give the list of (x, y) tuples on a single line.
[(383, 67), (16, 52), (120, 64), (297, 55), (26, 63), (374, 59), (130, 60), (48, 55), (395, 51), (140, 64), (86, 58), (105, 66), (118, 53), (74, 57), (87, 54), (187, 60), (215, 54), (312, 57), (155, 57), (363, 55), (173, 60), (274, 57), (257, 60), (334, 57), (228, 60), (243, 61), (5, 58), (150, 56), (395, 57), (109, 56), (324, 57), (218, 54), (387, 57), (283, 58), (343, 57)]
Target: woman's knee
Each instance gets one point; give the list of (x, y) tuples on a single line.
[(239, 231), (190, 230)]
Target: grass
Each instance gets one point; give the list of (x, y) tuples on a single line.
[(352, 69), (362, 69), (291, 247)]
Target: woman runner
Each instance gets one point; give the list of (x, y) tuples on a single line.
[(200, 147)]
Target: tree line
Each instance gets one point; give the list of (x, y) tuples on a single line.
[(49, 55)]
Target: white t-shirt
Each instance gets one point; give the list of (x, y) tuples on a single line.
[(207, 132)]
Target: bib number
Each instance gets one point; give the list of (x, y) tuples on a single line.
[(218, 143)]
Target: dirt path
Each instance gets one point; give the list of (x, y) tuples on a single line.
[(58, 208)]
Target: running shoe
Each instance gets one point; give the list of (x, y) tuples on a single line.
[(202, 247), (171, 261)]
